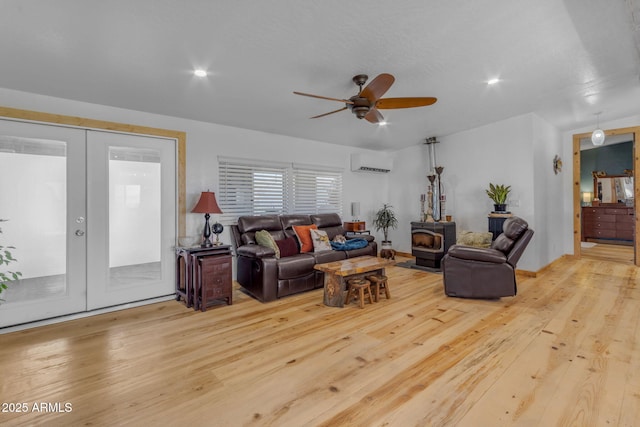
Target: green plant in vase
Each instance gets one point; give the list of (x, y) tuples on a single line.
[(384, 219), (499, 193), (6, 258)]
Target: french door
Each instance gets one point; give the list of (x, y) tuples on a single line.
[(92, 216), (131, 190)]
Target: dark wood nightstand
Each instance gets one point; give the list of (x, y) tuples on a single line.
[(204, 275)]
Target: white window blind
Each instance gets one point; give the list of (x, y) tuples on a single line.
[(257, 188), (316, 191), (251, 189)]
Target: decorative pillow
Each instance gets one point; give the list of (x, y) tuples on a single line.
[(320, 241), (304, 236), (264, 238), (288, 247), (474, 238)]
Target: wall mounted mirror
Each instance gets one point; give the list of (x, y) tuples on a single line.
[(616, 189)]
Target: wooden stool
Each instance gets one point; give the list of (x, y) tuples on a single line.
[(360, 285), (379, 282)]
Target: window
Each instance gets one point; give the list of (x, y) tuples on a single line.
[(259, 188), (316, 191)]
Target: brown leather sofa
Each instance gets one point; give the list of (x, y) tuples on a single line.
[(268, 278), (472, 272)]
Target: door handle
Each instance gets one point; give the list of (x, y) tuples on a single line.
[(79, 233)]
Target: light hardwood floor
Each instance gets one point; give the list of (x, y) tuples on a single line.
[(603, 251), (565, 351)]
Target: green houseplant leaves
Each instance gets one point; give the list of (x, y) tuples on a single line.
[(6, 257), (498, 193), (384, 219)]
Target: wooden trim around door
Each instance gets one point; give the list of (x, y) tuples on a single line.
[(179, 136), (577, 211)]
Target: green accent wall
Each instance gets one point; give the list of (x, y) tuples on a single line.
[(613, 159)]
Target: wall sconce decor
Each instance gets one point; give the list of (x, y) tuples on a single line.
[(557, 164)]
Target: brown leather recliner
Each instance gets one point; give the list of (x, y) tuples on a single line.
[(471, 272)]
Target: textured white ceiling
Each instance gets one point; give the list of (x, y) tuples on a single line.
[(565, 60)]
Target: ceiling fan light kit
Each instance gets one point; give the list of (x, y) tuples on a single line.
[(368, 101)]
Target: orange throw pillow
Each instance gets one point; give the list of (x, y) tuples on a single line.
[(304, 237)]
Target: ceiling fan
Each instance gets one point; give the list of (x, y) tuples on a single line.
[(368, 101)]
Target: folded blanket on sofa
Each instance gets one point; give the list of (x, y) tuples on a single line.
[(350, 244)]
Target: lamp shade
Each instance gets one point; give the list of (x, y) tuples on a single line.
[(207, 203), (586, 197), (597, 137), (355, 209)]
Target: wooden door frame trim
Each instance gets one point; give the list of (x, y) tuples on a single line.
[(577, 228), (80, 122)]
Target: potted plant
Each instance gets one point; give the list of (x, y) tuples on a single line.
[(384, 219), (499, 193), (5, 259)]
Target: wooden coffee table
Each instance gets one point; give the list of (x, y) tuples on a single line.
[(337, 273)]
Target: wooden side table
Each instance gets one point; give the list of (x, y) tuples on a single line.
[(203, 275), (354, 226), (212, 280)]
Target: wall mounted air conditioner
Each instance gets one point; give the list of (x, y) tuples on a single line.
[(371, 162)]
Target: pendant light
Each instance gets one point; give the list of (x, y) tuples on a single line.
[(597, 137)]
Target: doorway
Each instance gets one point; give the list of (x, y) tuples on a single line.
[(577, 199), (92, 215)]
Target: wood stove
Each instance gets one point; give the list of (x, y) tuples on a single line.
[(430, 241)]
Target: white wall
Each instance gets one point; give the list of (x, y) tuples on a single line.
[(407, 182), (206, 141), (549, 222), (517, 151), (501, 153), (567, 181)]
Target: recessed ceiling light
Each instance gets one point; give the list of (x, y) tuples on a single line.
[(493, 81), (383, 123), (200, 72)]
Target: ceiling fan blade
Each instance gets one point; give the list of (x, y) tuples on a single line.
[(377, 87), (330, 112), (387, 103), (346, 101), (374, 116)]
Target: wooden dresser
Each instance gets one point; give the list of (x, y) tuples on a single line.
[(606, 222)]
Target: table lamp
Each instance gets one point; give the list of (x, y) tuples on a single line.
[(208, 205), (355, 211)]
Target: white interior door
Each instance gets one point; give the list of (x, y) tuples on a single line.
[(42, 195), (131, 232), (92, 217)]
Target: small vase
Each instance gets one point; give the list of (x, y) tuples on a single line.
[(500, 207)]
